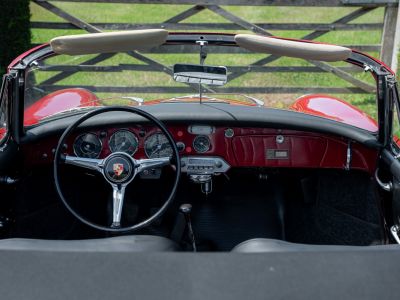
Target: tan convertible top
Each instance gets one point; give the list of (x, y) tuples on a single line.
[(122, 41), (303, 50), (108, 42)]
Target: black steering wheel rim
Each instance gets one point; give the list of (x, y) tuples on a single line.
[(146, 115)]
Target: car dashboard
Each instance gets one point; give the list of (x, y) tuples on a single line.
[(206, 149)]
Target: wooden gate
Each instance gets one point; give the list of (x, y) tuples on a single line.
[(387, 48)]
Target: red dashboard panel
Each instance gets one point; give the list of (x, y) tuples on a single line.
[(296, 151), (301, 149), (248, 147)]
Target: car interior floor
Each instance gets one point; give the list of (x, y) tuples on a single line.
[(335, 207)]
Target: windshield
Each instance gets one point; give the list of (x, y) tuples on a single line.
[(83, 82)]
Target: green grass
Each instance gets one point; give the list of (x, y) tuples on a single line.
[(138, 13)]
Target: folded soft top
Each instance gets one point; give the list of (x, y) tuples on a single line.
[(281, 47), (108, 42)]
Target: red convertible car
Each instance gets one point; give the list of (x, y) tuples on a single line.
[(147, 176)]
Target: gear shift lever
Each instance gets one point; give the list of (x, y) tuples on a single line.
[(186, 209)]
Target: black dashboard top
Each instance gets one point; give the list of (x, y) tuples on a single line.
[(214, 114)]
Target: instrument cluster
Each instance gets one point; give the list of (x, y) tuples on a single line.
[(143, 142)]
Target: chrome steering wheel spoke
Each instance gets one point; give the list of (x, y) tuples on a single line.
[(119, 189), (118, 202), (88, 163), (151, 163)]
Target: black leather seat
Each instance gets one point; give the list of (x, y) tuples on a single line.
[(133, 243), (271, 245)]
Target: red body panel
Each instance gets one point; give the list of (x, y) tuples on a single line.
[(246, 149), (335, 109), (3, 132), (57, 102)]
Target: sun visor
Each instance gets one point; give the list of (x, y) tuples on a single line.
[(275, 46), (108, 42)]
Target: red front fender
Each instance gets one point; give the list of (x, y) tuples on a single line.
[(57, 102), (335, 109)]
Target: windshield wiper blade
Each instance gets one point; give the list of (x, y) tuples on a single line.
[(194, 96)]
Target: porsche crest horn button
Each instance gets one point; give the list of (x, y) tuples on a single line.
[(118, 169)]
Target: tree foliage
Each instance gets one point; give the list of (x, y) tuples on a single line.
[(15, 36)]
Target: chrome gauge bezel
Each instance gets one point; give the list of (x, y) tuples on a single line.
[(83, 134), (124, 130), (200, 150)]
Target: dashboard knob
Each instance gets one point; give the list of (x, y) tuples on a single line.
[(229, 132), (280, 139), (218, 164), (181, 146)]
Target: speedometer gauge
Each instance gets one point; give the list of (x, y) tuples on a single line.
[(157, 145), (123, 141), (87, 145)]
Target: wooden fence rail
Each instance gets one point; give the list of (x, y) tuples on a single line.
[(387, 48)]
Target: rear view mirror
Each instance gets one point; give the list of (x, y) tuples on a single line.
[(210, 75)]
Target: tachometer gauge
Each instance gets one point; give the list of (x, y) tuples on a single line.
[(87, 145), (157, 145), (201, 143), (123, 141)]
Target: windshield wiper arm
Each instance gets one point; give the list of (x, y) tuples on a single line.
[(255, 100), (138, 100)]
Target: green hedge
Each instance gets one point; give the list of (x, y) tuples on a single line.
[(15, 36)]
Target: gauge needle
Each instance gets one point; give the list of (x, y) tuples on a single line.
[(158, 147)]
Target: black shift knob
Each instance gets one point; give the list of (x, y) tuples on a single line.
[(185, 208)]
